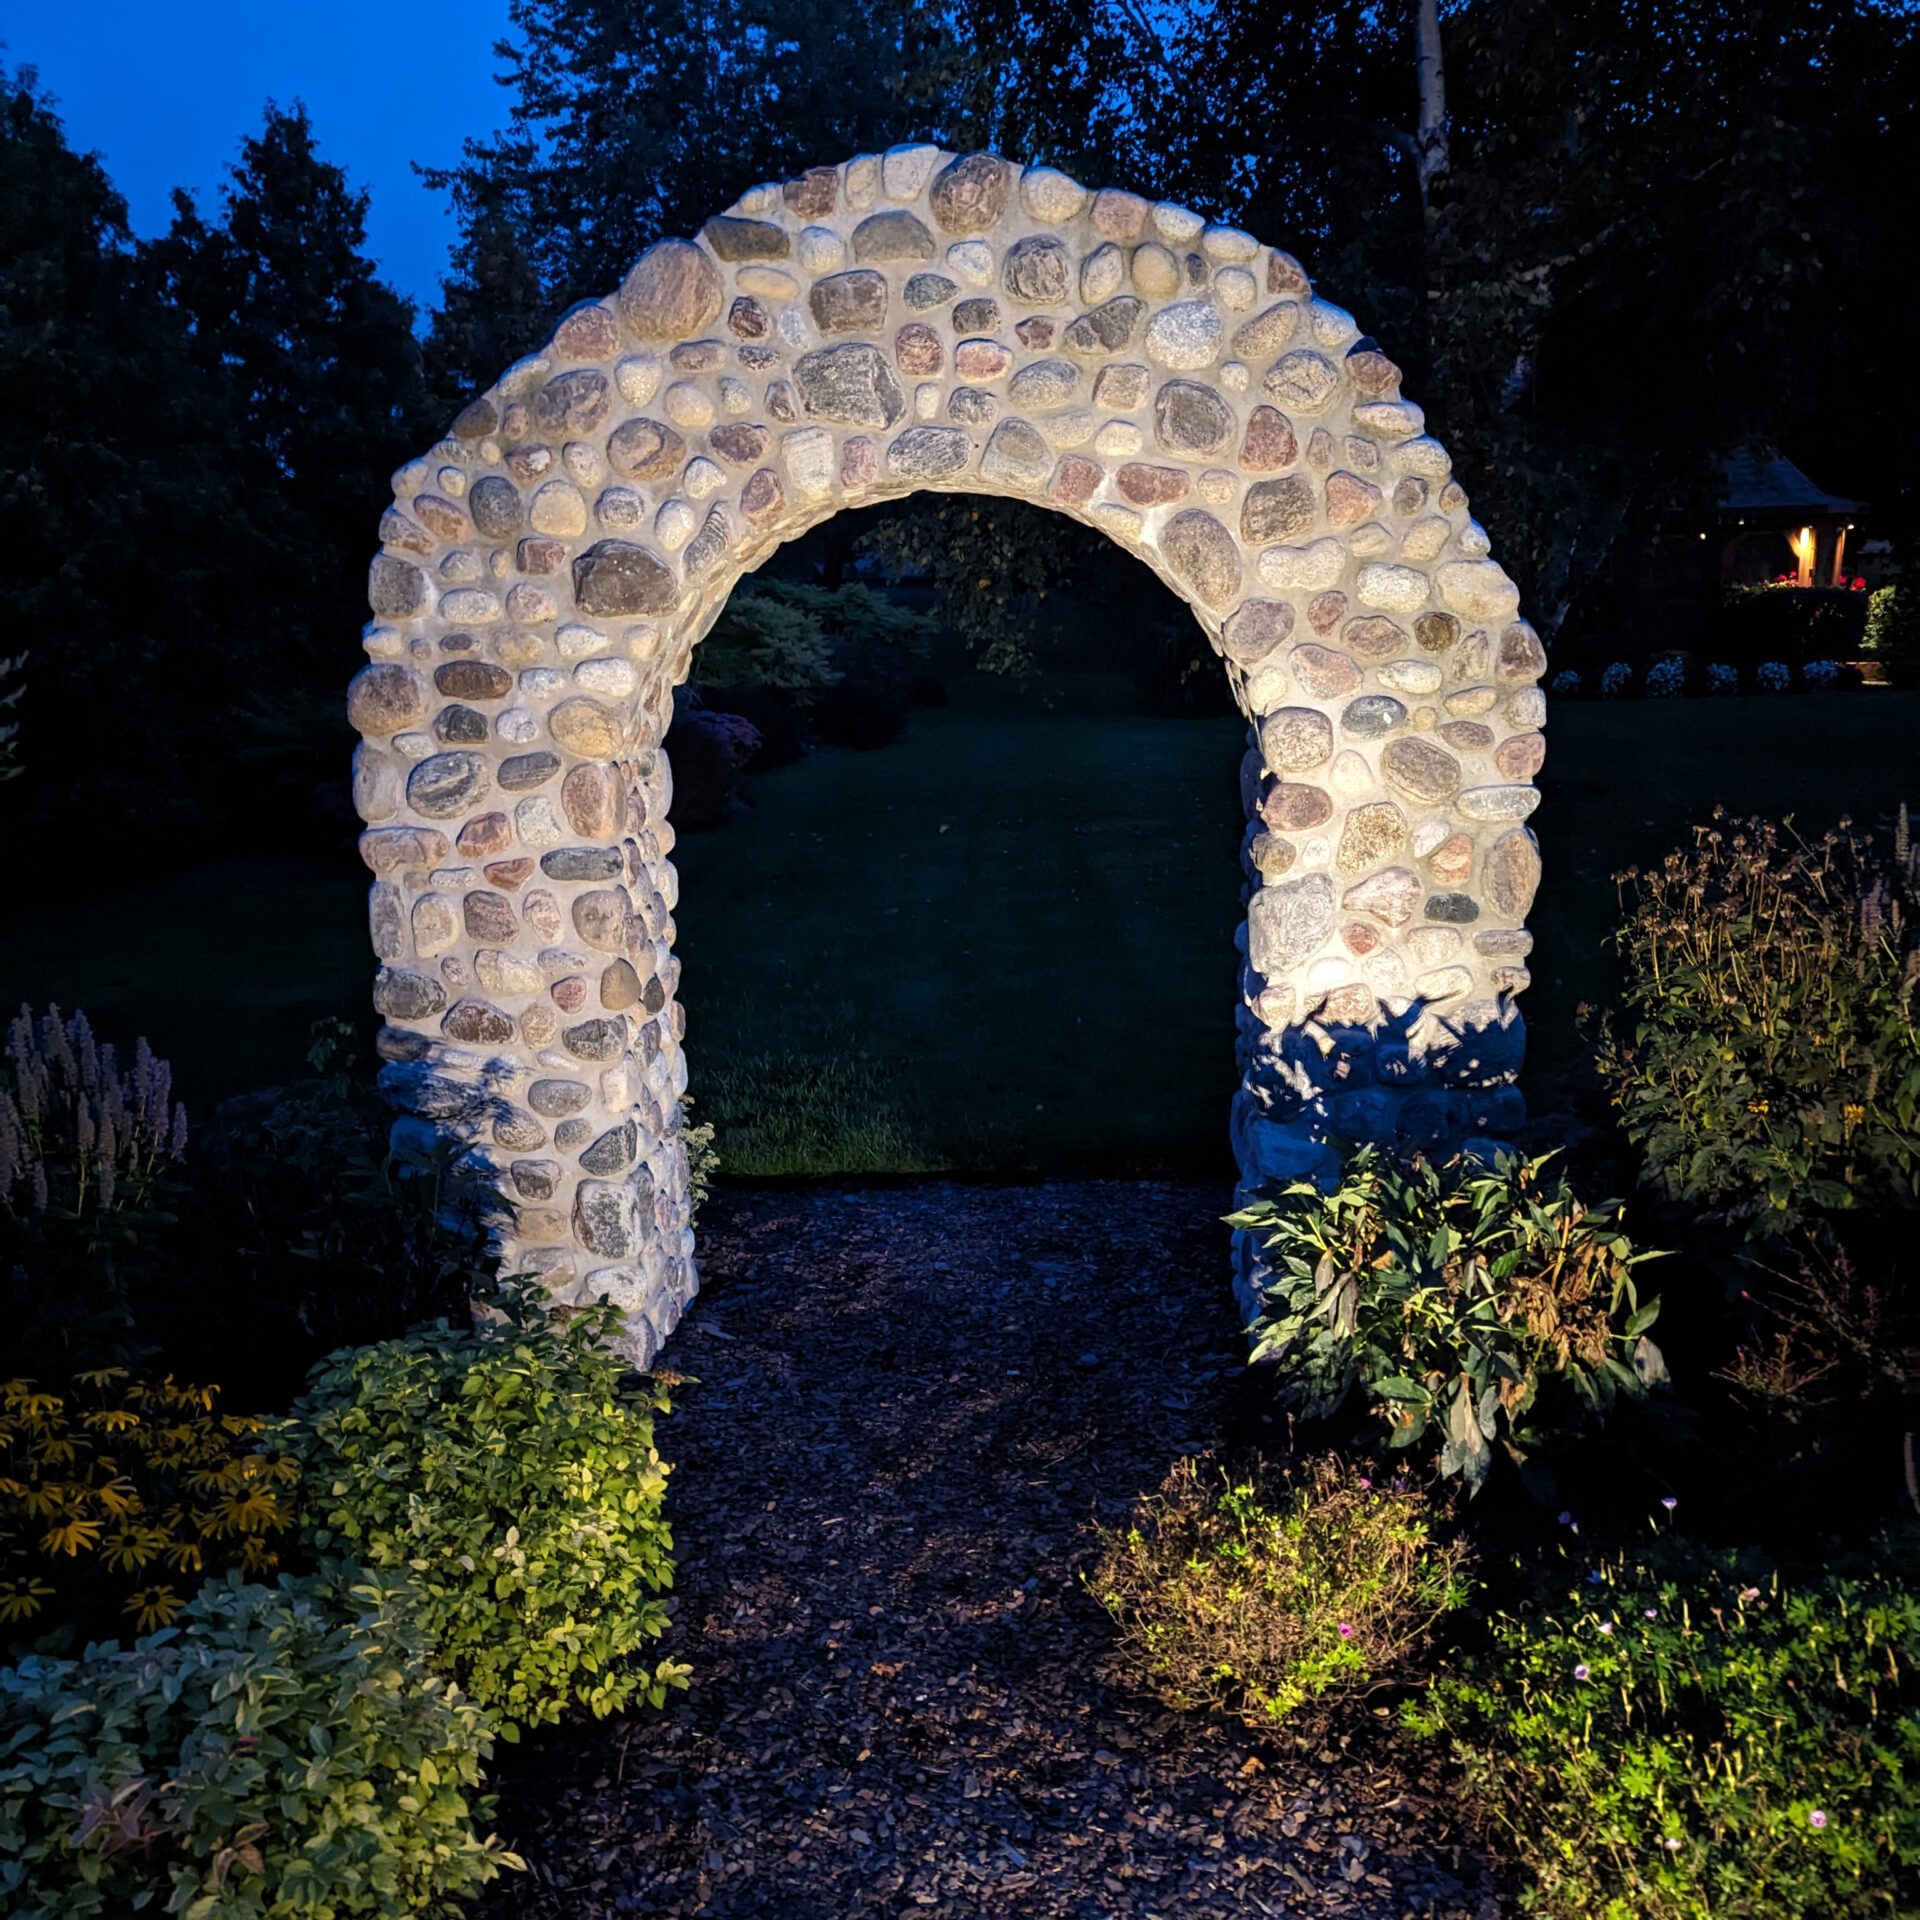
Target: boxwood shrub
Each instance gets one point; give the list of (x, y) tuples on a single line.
[(509, 1470), (281, 1751)]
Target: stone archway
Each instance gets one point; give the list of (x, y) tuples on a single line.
[(915, 320)]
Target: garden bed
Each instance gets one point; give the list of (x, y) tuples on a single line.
[(911, 1408)]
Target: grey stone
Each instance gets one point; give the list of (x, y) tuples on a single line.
[(397, 589), (489, 918), (600, 919), (1016, 454), (612, 1152), (1323, 672), (558, 1098), (583, 863), (477, 1023), (1043, 385), (1187, 335), (709, 546), (1302, 381), (645, 449), (853, 302), (600, 1040), (1420, 770), (1287, 922), (535, 1179), (1293, 739), (1202, 556), (518, 1132), (1511, 943), (979, 315), (1107, 329), (386, 698), (1254, 629), (1373, 716), (852, 384), (402, 995), (928, 453), (928, 290), (601, 1220), (1037, 272), (971, 406), (448, 783), (969, 195), (572, 1133), (616, 577), (1277, 510), (460, 726), (387, 920), (496, 506), (1498, 803), (733, 238), (1453, 909), (573, 403), (521, 772), (1511, 874), (1191, 418)]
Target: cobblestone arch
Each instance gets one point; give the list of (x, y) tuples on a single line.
[(915, 320)]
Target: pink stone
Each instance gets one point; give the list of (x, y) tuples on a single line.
[(1076, 479)]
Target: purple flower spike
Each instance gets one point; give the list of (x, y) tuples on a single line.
[(1816, 1820)]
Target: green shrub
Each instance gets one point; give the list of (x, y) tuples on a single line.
[(282, 1751), (1680, 1737), (1773, 1073), (1256, 1593), (1462, 1301), (510, 1469)]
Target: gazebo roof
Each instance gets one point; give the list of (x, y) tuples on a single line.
[(1776, 485)]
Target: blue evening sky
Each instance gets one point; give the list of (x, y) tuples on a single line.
[(164, 91)]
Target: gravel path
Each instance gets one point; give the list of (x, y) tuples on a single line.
[(911, 1404)]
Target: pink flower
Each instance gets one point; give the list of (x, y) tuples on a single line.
[(1817, 1820), (1346, 1632), (1580, 1672)]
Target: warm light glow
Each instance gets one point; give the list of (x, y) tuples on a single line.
[(1802, 544)]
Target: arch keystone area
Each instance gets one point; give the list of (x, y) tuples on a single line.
[(907, 321)]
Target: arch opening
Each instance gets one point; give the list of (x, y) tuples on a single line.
[(909, 322)]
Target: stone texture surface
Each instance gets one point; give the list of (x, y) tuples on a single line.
[(911, 320)]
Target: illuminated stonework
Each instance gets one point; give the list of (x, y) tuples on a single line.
[(911, 321)]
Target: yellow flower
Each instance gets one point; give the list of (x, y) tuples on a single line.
[(1853, 1113), (1756, 1106), (153, 1607)]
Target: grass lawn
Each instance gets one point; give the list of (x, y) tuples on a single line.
[(1009, 936)]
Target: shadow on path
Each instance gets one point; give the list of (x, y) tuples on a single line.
[(910, 1405)]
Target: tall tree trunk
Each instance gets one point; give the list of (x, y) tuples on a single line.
[(1430, 142)]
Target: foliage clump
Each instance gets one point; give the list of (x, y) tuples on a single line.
[(1462, 1301), (509, 1470), (88, 1158), (281, 1751), (1771, 1077), (1257, 1593), (128, 1491), (1682, 1736)]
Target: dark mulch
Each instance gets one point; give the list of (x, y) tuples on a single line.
[(912, 1406)]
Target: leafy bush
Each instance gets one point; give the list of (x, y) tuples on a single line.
[(1681, 1737), (1818, 675), (1723, 679), (103, 1487), (1773, 1074), (1566, 683), (1666, 679), (1616, 681), (281, 1751), (1782, 620), (801, 1113), (1477, 1303), (1774, 676), (763, 639), (1256, 1593), (89, 1158), (510, 1469)]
